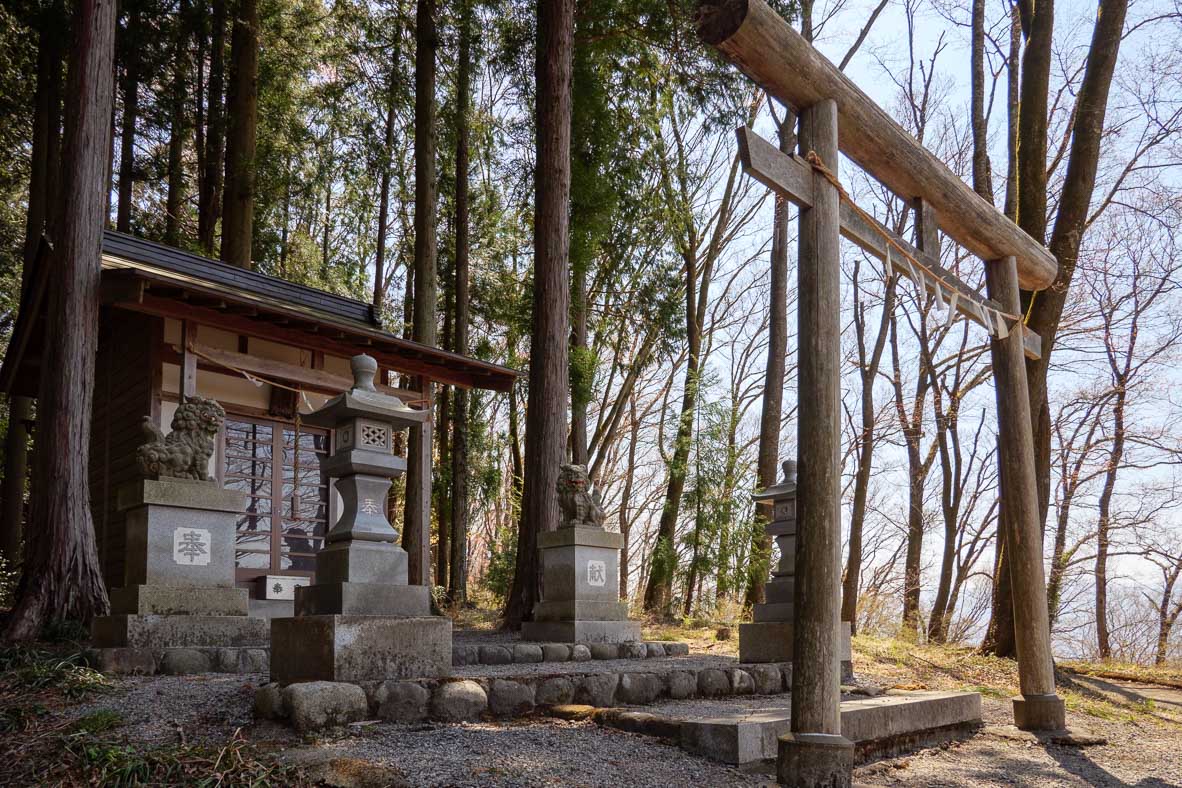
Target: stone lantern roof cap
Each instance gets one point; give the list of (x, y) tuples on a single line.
[(364, 401), (785, 488)]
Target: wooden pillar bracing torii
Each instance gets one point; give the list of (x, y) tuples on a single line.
[(765, 47), (815, 753)]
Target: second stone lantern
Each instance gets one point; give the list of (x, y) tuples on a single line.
[(768, 637), (360, 620)]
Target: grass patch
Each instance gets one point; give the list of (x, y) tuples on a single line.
[(98, 721), (25, 669), (1163, 675), (17, 718), (103, 762)]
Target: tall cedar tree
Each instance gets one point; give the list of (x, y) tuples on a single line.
[(242, 103), (178, 122), (546, 428), (458, 580), (61, 578), (209, 198), (45, 164), (129, 53), (1046, 306), (425, 274)]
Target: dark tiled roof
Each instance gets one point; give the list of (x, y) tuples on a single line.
[(138, 250)]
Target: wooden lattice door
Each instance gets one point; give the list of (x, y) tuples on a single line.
[(277, 465)]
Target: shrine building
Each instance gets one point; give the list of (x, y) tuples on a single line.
[(175, 324)]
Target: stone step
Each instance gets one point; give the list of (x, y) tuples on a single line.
[(515, 690), (746, 731), (509, 652)]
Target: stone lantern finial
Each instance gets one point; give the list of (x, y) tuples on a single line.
[(789, 468), (364, 369)]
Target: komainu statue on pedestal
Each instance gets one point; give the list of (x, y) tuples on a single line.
[(580, 506), (184, 453)]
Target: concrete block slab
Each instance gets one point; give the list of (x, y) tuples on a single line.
[(145, 600), (363, 599), (887, 716), (159, 632), (580, 631), (359, 648)]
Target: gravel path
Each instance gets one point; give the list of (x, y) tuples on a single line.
[(161, 710), (537, 753)]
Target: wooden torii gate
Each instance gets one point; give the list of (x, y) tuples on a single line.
[(837, 116)]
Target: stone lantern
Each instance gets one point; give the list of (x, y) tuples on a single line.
[(768, 638), (360, 619)]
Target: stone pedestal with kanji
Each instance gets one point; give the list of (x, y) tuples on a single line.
[(178, 581), (768, 637), (360, 620), (580, 573)]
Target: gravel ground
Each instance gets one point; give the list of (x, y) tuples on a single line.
[(542, 751), (654, 665), (537, 753), (164, 709)]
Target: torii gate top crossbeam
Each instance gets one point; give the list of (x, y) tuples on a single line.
[(770, 52)]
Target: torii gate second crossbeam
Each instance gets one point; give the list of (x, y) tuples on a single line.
[(767, 49)]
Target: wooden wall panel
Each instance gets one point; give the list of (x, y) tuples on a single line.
[(123, 395)]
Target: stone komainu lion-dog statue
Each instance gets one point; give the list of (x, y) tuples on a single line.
[(580, 507), (184, 453)]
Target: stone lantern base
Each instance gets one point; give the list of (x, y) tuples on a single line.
[(771, 641), (360, 578), (359, 648)]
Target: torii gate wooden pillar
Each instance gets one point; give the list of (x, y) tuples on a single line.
[(769, 51)]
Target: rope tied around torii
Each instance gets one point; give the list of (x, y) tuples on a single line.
[(995, 325)]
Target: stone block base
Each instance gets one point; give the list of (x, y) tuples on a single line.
[(581, 631), (359, 648), (771, 641), (143, 600), (363, 599), (161, 632), (178, 661), (1040, 713), (580, 610), (815, 760)]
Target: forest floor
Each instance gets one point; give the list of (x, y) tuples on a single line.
[(62, 724)]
